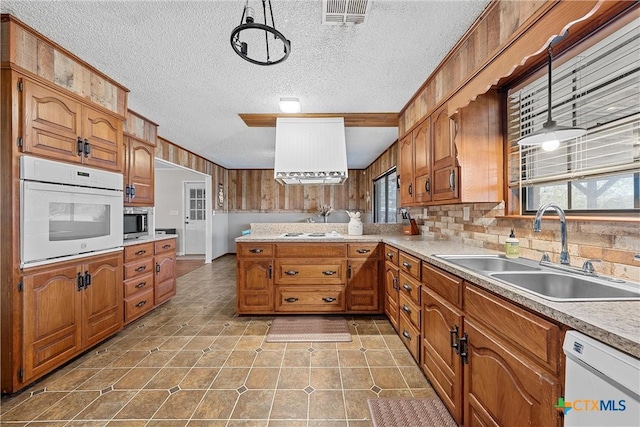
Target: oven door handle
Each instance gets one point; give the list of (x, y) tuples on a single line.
[(44, 186)]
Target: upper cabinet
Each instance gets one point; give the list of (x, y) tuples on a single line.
[(140, 139), (59, 127), (454, 158)]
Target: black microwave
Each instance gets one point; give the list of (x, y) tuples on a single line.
[(136, 223)]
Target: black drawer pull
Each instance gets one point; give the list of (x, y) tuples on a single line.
[(141, 303), (406, 308), (141, 268), (406, 335), (363, 251), (328, 299), (141, 252), (141, 285), (328, 272), (405, 264), (291, 299), (256, 251), (454, 339), (407, 288), (291, 272), (167, 246)]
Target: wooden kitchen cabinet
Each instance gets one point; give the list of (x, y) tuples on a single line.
[(165, 280), (363, 281), (415, 165), (254, 278), (57, 126), (445, 170), (407, 172), (391, 283), (140, 140), (71, 306)]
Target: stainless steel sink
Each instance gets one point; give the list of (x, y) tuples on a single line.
[(491, 263), (567, 287)]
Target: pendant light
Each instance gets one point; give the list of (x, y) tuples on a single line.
[(551, 134), (251, 48)]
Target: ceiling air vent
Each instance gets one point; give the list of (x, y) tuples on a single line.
[(340, 12)]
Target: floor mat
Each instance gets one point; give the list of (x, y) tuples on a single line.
[(409, 412), (308, 329)]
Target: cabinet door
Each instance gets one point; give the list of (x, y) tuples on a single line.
[(406, 171), (503, 388), (140, 172), (165, 281), (52, 309), (422, 159), (255, 286), (445, 173), (441, 325), (391, 293), (102, 299), (363, 285), (104, 135), (52, 123)]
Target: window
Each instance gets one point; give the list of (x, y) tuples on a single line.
[(599, 90), (385, 189)]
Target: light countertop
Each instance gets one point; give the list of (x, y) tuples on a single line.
[(148, 238)]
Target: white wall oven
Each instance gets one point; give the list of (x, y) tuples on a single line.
[(67, 211)]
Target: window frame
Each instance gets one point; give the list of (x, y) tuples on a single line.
[(393, 215)]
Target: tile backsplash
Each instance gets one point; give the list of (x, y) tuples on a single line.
[(613, 242)]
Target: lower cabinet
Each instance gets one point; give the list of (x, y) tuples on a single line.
[(165, 280), (68, 308), (391, 273)]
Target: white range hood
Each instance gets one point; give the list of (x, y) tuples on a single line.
[(310, 151)]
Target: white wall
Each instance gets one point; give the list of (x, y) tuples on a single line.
[(221, 234)]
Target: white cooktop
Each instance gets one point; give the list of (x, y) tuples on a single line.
[(296, 235)]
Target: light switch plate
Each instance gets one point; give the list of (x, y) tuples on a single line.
[(466, 213)]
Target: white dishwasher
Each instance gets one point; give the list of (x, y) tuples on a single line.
[(602, 384)]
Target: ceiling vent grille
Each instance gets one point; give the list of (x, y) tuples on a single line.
[(341, 12)]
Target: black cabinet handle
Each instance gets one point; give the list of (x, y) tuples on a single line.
[(464, 348), (395, 283), (166, 246), (291, 272), (406, 309), (141, 252), (141, 268), (270, 274), (141, 285), (452, 180), (157, 268), (454, 340), (132, 191), (427, 186), (80, 281), (127, 191), (87, 279), (406, 335), (291, 299), (86, 148), (349, 272), (406, 287), (80, 146), (363, 251), (405, 264), (329, 272), (410, 189), (256, 251), (328, 299), (141, 303)]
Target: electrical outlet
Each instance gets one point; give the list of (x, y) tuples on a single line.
[(466, 213)]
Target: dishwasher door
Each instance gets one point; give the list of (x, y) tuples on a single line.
[(602, 384)]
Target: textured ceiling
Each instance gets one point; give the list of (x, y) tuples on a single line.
[(176, 58)]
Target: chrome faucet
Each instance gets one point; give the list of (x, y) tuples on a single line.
[(564, 254)]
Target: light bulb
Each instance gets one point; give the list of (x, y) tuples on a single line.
[(550, 145)]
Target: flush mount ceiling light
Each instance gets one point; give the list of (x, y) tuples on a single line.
[(254, 45), (551, 134), (289, 105)]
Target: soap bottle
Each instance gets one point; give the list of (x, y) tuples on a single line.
[(512, 246)]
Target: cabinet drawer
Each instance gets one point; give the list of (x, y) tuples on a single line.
[(138, 304), (410, 287), (530, 334), (409, 309), (410, 337), (310, 298), (255, 250), (165, 246), (310, 271), (391, 254), (362, 250), (138, 268), (310, 250), (444, 284), (409, 264), (138, 284), (136, 252)]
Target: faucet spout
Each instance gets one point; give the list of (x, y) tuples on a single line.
[(564, 254)]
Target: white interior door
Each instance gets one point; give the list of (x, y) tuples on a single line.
[(195, 218)]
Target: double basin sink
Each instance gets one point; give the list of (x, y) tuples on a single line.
[(545, 281)]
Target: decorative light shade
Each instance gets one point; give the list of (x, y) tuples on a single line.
[(551, 134), (254, 45), (289, 105)]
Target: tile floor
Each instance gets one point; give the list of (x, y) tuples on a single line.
[(193, 362)]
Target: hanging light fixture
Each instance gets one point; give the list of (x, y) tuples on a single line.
[(551, 134), (254, 47)]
